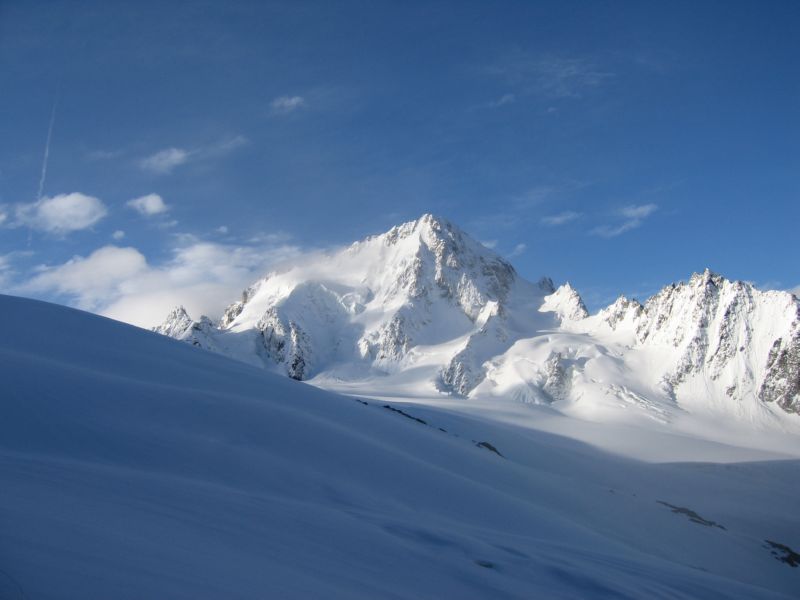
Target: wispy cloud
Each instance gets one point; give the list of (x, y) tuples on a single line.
[(518, 249), (5, 269), (284, 105), (795, 290), (550, 76), (221, 148), (533, 197), (60, 214), (491, 244), (167, 160), (164, 161), (516, 209), (98, 155), (638, 212), (118, 235), (149, 205), (633, 215), (503, 100), (561, 218)]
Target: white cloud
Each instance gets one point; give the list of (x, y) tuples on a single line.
[(89, 279), (223, 229), (221, 148), (149, 205), (609, 231), (638, 212), (61, 214), (561, 218), (3, 217), (489, 243), (285, 104), (118, 234), (164, 161), (120, 283), (634, 217), (518, 249)]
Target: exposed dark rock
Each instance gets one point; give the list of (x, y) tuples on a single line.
[(405, 414), (783, 553), (489, 447), (693, 516), (782, 382)]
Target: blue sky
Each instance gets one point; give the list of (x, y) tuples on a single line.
[(617, 145)]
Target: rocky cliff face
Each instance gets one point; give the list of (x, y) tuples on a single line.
[(781, 383)]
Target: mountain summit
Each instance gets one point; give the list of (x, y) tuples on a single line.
[(374, 305), (426, 307)]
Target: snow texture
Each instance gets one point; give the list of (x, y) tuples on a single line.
[(135, 466)]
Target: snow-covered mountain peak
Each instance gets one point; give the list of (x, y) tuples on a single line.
[(176, 322), (707, 277), (566, 302), (377, 302), (181, 326), (432, 256), (623, 310), (427, 305)]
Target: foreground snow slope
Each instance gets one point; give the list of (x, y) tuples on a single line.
[(134, 466)]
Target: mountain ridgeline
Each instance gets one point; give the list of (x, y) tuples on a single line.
[(425, 302)]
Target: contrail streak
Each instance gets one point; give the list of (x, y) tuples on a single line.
[(47, 149)]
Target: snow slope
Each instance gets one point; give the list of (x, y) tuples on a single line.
[(134, 466)]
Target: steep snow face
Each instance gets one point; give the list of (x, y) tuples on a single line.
[(566, 303), (727, 337), (382, 304)]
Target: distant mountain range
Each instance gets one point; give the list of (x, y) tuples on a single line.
[(426, 307)]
